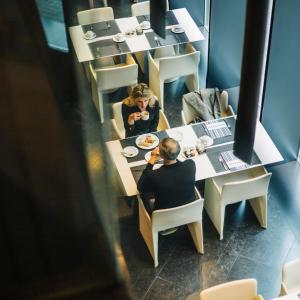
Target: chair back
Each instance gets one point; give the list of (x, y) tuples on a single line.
[(245, 189), (95, 15), (189, 113), (291, 275), (179, 65), (163, 123), (143, 8), (167, 218), (245, 289), (116, 77), (118, 123), (117, 115)]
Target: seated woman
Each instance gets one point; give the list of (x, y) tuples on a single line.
[(140, 111)]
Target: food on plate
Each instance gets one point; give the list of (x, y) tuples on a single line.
[(147, 141)]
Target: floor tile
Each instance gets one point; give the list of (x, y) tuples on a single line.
[(165, 290)]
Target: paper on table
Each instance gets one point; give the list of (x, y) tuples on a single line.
[(232, 161), (217, 128)]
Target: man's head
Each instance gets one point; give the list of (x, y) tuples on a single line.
[(169, 149)]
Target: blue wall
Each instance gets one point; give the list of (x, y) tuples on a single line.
[(226, 43), (194, 7), (282, 98)]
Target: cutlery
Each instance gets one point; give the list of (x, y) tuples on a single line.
[(223, 163)]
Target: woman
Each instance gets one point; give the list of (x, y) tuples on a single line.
[(135, 108)]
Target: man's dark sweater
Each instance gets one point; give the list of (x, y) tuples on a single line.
[(172, 185)]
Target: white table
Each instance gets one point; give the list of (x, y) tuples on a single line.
[(263, 146), (85, 49)]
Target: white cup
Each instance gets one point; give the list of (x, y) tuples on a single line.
[(145, 115)]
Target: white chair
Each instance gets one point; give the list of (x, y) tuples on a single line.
[(249, 184), (290, 282), (91, 16), (188, 113), (143, 8), (95, 15), (162, 69), (105, 79), (162, 219), (118, 125), (245, 289)]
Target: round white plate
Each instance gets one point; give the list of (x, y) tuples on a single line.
[(140, 139), (145, 25), (177, 29), (118, 40), (147, 156), (89, 35), (176, 135), (206, 140), (130, 151)]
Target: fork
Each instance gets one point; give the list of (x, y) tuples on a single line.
[(221, 160)]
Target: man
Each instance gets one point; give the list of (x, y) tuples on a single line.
[(173, 184)]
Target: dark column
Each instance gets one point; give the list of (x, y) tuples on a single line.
[(256, 41)]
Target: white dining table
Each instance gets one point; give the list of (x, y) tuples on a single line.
[(264, 148), (103, 44)]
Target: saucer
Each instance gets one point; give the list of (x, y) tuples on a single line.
[(206, 140), (130, 151), (145, 25), (177, 29), (89, 35), (118, 38)]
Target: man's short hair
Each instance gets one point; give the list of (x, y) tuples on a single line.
[(169, 148)]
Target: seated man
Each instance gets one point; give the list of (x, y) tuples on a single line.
[(173, 184)]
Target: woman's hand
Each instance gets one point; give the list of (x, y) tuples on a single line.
[(133, 117)]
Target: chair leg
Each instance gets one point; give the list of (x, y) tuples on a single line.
[(87, 71), (196, 232), (259, 206), (192, 82), (155, 247), (161, 94), (214, 207), (100, 106)]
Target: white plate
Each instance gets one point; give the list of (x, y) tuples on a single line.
[(177, 29), (147, 156), (130, 151), (139, 140), (89, 35), (145, 25), (176, 135), (206, 140), (118, 40)]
